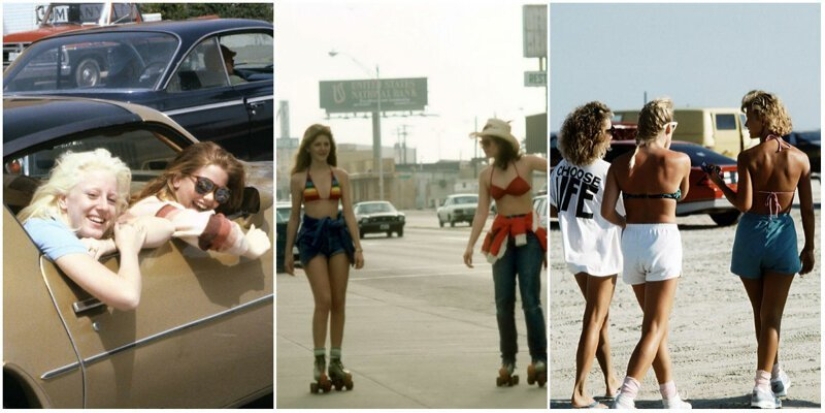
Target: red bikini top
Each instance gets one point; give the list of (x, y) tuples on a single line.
[(517, 186)]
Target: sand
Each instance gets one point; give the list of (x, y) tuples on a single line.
[(712, 341)]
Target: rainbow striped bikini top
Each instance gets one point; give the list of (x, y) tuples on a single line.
[(311, 192)]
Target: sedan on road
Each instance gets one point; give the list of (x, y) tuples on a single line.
[(378, 216), (213, 76), (202, 335), (457, 208)]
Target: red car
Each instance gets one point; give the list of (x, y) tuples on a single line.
[(704, 197)]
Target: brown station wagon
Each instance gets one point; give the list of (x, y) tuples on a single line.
[(202, 335)]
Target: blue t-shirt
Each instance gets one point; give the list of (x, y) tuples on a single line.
[(54, 238)]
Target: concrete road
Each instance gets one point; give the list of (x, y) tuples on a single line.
[(421, 329)]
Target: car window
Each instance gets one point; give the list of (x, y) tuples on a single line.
[(466, 200), (145, 151), (726, 122), (98, 61), (228, 60)]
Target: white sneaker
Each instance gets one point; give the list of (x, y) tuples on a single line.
[(623, 402), (762, 399), (780, 385), (675, 402)]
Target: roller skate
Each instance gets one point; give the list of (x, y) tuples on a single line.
[(339, 376), (537, 373), (321, 382), (506, 376)]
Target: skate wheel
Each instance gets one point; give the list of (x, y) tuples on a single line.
[(514, 380), (313, 387), (499, 381), (338, 385), (530, 380), (350, 385)]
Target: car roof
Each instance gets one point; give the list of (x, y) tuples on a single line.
[(31, 120), (184, 28)]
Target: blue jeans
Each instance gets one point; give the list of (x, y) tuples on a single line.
[(523, 264)]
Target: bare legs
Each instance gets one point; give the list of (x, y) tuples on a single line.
[(594, 340), (768, 296), (656, 300), (328, 281)]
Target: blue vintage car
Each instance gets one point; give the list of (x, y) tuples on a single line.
[(213, 76)]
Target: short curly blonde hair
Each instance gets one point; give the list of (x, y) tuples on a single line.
[(582, 139), (770, 109)]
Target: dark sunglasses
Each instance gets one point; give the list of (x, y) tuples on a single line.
[(486, 142), (612, 130), (205, 186)]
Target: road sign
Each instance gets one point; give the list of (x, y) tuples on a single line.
[(535, 30), (535, 79)]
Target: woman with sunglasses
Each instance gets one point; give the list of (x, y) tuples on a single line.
[(516, 246), (591, 244), (73, 215), (651, 180), (765, 254), (326, 246), (201, 183)]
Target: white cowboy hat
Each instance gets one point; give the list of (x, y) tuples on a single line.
[(500, 129)]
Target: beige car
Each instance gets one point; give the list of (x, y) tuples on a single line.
[(202, 335)]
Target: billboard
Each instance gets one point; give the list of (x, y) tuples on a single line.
[(535, 30), (348, 96)]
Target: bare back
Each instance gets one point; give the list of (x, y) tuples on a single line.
[(657, 171), (773, 171)]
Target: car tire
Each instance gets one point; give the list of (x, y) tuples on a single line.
[(440, 222), (400, 232), (87, 73), (724, 219), (361, 234), (389, 234)]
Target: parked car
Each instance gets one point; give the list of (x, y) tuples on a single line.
[(202, 335), (542, 208), (379, 216), (457, 208), (282, 212), (66, 17), (176, 67), (704, 197), (809, 142), (721, 129)]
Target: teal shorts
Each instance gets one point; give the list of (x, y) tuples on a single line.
[(765, 243)]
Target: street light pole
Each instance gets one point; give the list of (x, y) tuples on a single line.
[(376, 123)]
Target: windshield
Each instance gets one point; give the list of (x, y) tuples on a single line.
[(469, 199), (99, 61), (375, 208)]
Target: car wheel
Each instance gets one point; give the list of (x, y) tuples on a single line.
[(724, 219), (400, 232), (87, 73), (361, 234), (440, 222), (389, 234)]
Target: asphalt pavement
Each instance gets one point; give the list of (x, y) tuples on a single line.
[(421, 329)]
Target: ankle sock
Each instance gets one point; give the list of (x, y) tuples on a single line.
[(335, 353), (320, 352), (630, 387), (775, 371), (763, 380), (668, 390)]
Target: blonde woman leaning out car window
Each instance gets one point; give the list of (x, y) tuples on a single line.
[(71, 219)]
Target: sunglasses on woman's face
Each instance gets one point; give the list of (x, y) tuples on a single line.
[(205, 186), (486, 142)]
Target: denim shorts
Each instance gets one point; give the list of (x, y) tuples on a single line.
[(765, 243), (325, 236)]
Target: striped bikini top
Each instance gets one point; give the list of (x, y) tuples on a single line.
[(311, 192)]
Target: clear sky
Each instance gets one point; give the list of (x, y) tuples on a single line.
[(470, 52), (698, 54)]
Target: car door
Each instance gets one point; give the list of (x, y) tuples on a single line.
[(208, 100), (202, 335)]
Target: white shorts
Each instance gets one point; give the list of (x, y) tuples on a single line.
[(652, 252)]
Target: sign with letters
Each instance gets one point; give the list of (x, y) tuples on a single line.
[(342, 96)]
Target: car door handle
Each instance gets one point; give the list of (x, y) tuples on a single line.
[(253, 106), (86, 305)]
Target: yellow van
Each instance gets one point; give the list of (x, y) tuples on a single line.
[(722, 130)]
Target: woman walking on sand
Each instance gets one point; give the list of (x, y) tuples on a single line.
[(591, 244), (765, 254), (651, 180)]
